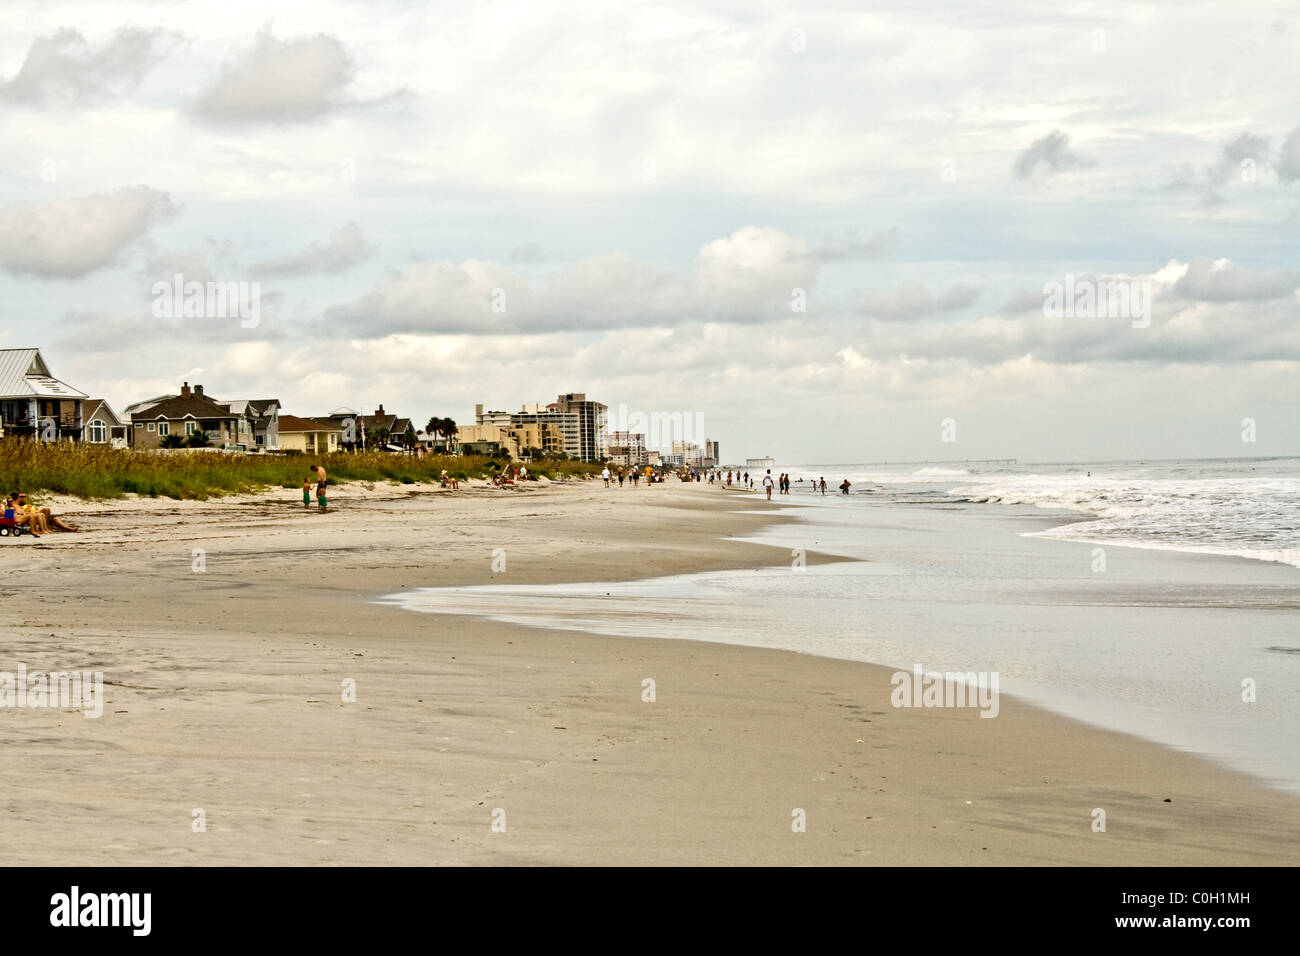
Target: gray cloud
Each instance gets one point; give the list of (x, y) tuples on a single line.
[(279, 82), (1288, 166), (1051, 151), (1210, 281), (1246, 146), (69, 238), (529, 253), (853, 246), (340, 252), (64, 70), (912, 300)]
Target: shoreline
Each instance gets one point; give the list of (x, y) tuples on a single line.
[(461, 714)]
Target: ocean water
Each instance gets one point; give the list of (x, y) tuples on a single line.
[(964, 570), (1247, 507)]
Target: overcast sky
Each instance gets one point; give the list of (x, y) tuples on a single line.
[(649, 184)]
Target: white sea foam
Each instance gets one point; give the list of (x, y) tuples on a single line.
[(1241, 507)]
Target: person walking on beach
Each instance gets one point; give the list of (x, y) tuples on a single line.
[(767, 483), (620, 477), (823, 484), (306, 491), (844, 488), (604, 473)]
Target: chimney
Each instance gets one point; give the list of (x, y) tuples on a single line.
[(379, 412), (185, 389), (198, 390)]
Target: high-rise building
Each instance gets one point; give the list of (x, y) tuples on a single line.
[(564, 430), (627, 449), (711, 455), (690, 453), (592, 443)]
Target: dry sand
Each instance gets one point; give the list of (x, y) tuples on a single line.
[(225, 695)]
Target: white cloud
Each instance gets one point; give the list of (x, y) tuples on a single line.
[(340, 252), (746, 277), (1220, 281), (62, 69), (70, 238), (279, 81)]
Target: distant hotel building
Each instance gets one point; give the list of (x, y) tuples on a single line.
[(759, 464), (591, 424), (627, 449), (579, 423)]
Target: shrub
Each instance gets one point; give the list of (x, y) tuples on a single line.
[(96, 471)]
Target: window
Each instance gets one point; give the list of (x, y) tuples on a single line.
[(164, 428), (191, 428), (152, 427), (96, 432), (334, 440)]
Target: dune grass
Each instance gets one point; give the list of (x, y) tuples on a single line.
[(96, 472)]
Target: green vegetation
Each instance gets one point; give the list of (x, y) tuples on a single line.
[(89, 471)]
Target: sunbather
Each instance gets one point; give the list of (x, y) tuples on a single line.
[(49, 521), (35, 523)]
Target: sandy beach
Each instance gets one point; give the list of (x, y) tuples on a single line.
[(224, 694)]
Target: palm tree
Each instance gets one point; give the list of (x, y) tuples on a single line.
[(444, 427)]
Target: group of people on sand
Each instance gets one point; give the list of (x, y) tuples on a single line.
[(742, 480), (515, 474), (37, 520), (316, 474), (630, 475)]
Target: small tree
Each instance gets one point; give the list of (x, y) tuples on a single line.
[(197, 439), (172, 441)]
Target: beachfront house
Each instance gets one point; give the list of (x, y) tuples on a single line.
[(103, 426), (310, 436), (35, 404), (380, 430), (264, 416), (185, 414)]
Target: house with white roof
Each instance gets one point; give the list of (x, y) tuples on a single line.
[(35, 404)]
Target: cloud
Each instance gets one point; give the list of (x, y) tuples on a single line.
[(912, 300), (1244, 147), (747, 277), (340, 252), (1288, 165), (1220, 281), (62, 69), (530, 252), (279, 82), (68, 238), (853, 246), (1052, 151)]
